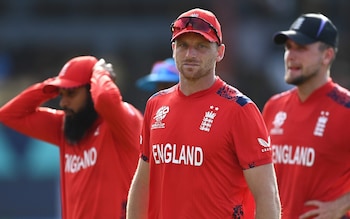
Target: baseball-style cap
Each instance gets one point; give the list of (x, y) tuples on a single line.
[(199, 21), (162, 72), (75, 73), (310, 28)]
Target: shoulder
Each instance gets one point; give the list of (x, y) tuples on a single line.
[(278, 100), (164, 92), (232, 94), (340, 95), (282, 96)]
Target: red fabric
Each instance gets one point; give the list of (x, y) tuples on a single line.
[(206, 16), (310, 143), (95, 174), (76, 72), (197, 147)]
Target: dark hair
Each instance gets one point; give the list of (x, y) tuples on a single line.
[(324, 46)]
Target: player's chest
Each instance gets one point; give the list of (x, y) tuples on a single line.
[(321, 129), (190, 125)]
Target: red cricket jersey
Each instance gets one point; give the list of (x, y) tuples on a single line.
[(310, 143), (96, 173), (197, 147)]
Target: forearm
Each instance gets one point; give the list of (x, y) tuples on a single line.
[(268, 207), (265, 191), (138, 199), (137, 205), (123, 118), (24, 104), (24, 114)]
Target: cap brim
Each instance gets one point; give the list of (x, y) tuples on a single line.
[(282, 36), (149, 82), (205, 35), (55, 84)]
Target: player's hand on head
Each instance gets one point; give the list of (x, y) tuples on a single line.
[(103, 65), (54, 91)]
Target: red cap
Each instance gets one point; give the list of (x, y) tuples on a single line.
[(208, 17), (75, 73)]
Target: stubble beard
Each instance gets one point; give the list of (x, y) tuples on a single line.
[(301, 79)]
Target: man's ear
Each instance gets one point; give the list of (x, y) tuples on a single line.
[(221, 53), (329, 55)]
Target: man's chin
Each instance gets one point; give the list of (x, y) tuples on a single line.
[(69, 113)]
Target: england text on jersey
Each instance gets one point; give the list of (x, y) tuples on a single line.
[(299, 155), (75, 163), (185, 154)]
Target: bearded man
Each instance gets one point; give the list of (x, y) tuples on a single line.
[(96, 131)]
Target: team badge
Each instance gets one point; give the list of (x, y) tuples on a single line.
[(321, 123), (208, 118)]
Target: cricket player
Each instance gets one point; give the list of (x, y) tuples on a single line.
[(309, 124), (205, 149), (96, 131)]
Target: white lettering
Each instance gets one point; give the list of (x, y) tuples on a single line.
[(186, 154), (286, 154), (174, 154), (75, 163), (198, 156), (167, 153), (190, 155)]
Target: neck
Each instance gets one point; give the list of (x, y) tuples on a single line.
[(306, 89), (189, 87)]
